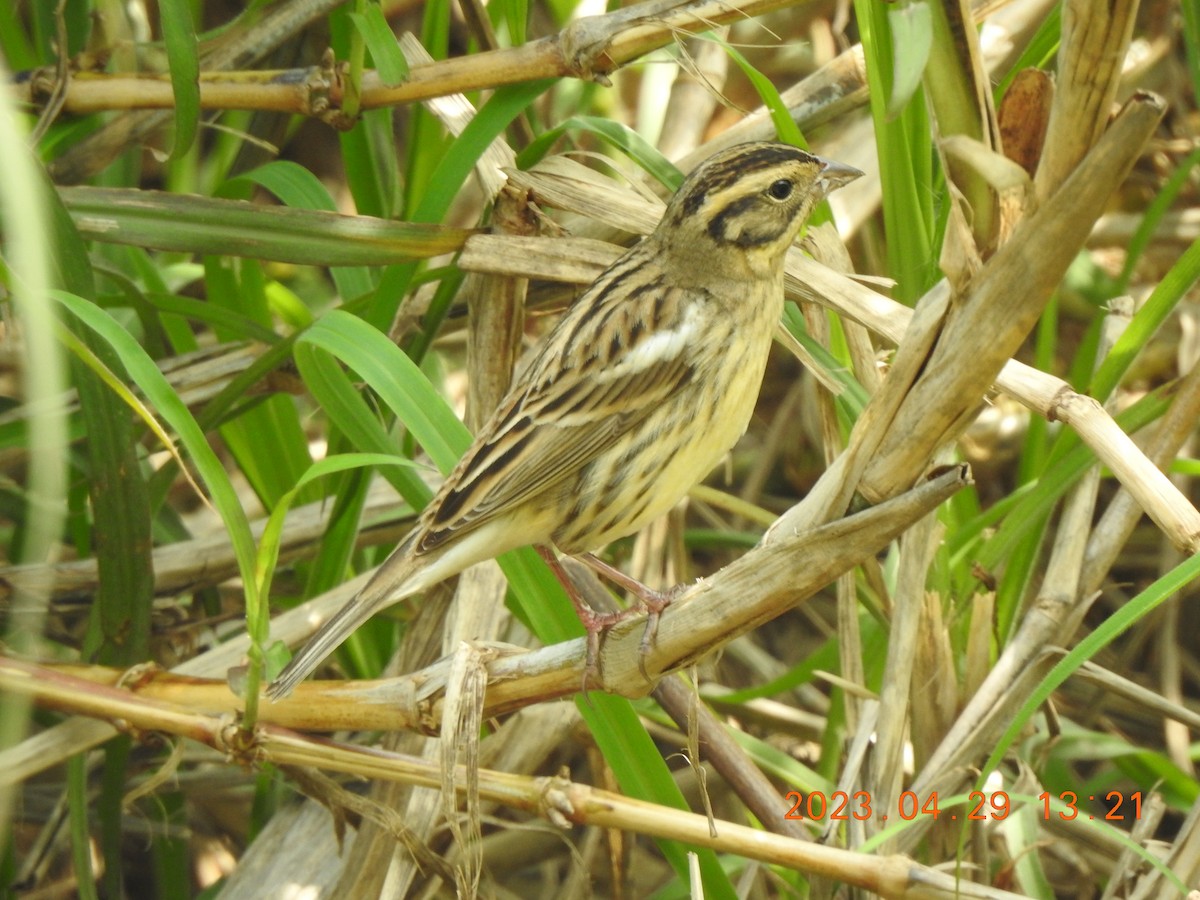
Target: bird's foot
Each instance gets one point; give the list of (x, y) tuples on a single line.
[(595, 623), (649, 600)]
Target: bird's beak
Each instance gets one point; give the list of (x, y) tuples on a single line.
[(835, 175)]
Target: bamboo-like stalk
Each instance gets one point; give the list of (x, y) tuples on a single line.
[(278, 24), (987, 325), (589, 48), (1094, 42), (707, 616), (557, 800)]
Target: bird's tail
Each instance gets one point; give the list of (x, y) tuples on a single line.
[(400, 576)]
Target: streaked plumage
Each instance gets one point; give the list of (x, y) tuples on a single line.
[(644, 385)]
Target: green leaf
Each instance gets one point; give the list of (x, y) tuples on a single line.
[(1109, 630), (146, 375), (15, 46), (238, 326), (372, 167), (299, 188), (377, 33), (618, 135), (447, 179), (398, 382), (516, 15), (905, 148), (781, 118), (911, 24), (1146, 321), (183, 59), (1191, 31), (268, 547), (82, 845), (206, 225), (1153, 217), (267, 439), (258, 613), (1025, 509), (342, 402), (1038, 52)]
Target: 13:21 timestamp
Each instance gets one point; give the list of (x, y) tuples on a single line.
[(1114, 800)]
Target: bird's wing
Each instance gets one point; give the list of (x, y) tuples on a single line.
[(597, 378)]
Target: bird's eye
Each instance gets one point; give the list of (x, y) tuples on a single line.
[(780, 190)]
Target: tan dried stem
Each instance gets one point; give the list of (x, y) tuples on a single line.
[(559, 801), (590, 48), (96, 151), (1095, 38), (986, 325)]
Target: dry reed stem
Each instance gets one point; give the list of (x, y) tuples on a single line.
[(986, 325), (373, 858), (590, 48), (207, 561), (759, 586), (1117, 523), (1027, 655), (557, 800), (695, 94), (676, 696), (278, 24), (898, 695), (196, 377), (1094, 41)]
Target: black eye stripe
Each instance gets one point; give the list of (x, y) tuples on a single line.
[(732, 166)]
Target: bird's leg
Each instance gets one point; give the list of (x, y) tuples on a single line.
[(594, 623), (653, 601)]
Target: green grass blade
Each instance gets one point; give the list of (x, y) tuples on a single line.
[(237, 326), (911, 25), (145, 374), (80, 827), (372, 169), (183, 59), (207, 225), (397, 381), (452, 171), (905, 149), (301, 189), (1191, 34), (619, 135), (1146, 321), (1153, 216), (342, 402), (258, 611), (381, 42), (1108, 631)]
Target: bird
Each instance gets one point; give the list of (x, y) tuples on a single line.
[(641, 388)]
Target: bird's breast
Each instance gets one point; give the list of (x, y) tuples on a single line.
[(655, 464)]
